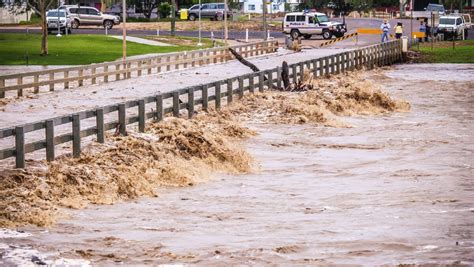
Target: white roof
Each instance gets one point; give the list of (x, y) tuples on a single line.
[(307, 13)]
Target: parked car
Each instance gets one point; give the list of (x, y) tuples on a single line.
[(454, 25), (85, 15), (213, 11), (308, 24), (63, 17)]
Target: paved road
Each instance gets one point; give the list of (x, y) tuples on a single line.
[(235, 35)]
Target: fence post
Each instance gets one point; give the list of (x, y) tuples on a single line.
[(176, 103), (251, 82), (230, 91), (190, 102), (76, 136), (51, 81), (301, 71), (326, 66), (129, 72), (315, 68), (159, 108), (106, 75), (122, 119), (344, 58), (117, 70), (19, 81), (141, 115), (94, 80), (139, 72), (20, 146), (278, 73), (294, 73), (49, 133), (205, 97), (36, 80), (99, 119), (81, 74), (270, 79), (218, 95), (241, 86), (261, 77), (2, 85)]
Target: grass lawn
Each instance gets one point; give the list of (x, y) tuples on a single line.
[(443, 52), (77, 49)]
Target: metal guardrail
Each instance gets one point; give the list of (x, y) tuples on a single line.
[(369, 57), (117, 70)]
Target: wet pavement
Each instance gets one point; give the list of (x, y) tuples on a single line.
[(392, 189)]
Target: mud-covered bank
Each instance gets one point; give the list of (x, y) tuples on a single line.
[(178, 152)]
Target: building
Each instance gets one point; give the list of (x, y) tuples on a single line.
[(11, 14), (256, 6)]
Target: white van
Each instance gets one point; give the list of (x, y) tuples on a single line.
[(307, 24)]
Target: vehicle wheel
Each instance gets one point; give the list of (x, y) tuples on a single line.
[(294, 34), (63, 32), (466, 32), (327, 35), (219, 18), (69, 31), (108, 24), (75, 24), (339, 35), (307, 36), (192, 17)]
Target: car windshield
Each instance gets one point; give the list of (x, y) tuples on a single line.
[(323, 18), (55, 14), (447, 21)]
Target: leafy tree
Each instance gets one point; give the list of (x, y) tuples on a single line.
[(164, 10)]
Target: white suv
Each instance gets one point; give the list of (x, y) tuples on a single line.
[(307, 24), (454, 25), (53, 17)]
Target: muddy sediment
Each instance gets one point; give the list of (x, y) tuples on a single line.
[(325, 103), (178, 152)]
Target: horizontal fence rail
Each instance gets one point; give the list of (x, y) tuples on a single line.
[(118, 70), (202, 95)]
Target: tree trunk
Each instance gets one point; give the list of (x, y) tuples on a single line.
[(44, 29), (173, 17)]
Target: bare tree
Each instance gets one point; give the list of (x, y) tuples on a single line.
[(39, 7), (173, 17)]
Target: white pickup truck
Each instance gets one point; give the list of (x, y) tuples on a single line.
[(455, 26)]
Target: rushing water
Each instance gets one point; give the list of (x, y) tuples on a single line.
[(391, 189)]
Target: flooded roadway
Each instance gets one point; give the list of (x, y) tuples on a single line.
[(392, 189)]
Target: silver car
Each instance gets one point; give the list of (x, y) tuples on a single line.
[(213, 11), (84, 15)]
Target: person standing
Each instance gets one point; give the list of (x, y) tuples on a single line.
[(385, 27), (398, 30)]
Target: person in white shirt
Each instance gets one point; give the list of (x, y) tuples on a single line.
[(385, 27)]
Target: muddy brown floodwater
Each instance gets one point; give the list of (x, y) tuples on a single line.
[(392, 189)]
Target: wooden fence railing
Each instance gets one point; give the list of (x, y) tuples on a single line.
[(48, 80), (200, 95)]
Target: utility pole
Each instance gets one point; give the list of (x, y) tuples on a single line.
[(124, 30), (226, 32), (265, 32), (173, 17)]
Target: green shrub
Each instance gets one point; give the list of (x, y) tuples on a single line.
[(164, 10)]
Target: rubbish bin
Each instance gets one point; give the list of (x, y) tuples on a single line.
[(183, 14)]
